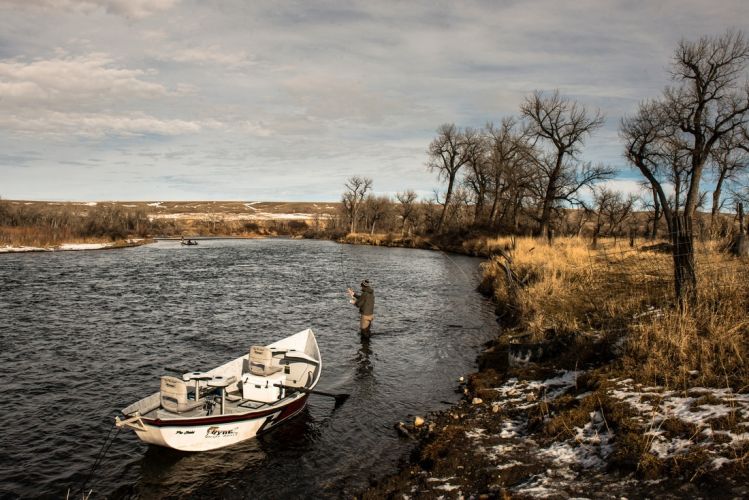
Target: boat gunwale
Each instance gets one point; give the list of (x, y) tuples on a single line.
[(223, 419)]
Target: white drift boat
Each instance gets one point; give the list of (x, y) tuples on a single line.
[(233, 402)]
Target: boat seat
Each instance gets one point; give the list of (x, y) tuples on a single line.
[(174, 396), (234, 396), (260, 361)]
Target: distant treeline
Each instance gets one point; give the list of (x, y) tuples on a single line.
[(42, 225), (50, 224)]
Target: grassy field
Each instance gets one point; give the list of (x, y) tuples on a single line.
[(625, 295)]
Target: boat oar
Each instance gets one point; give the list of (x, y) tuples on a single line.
[(339, 398)]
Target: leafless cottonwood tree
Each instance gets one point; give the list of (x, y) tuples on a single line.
[(510, 174), (612, 208), (356, 190), (407, 209), (558, 128), (478, 176), (706, 103), (730, 158), (376, 210), (446, 156)]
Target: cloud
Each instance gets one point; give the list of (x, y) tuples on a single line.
[(626, 186), (100, 124), (72, 82), (132, 9), (333, 97), (210, 55)]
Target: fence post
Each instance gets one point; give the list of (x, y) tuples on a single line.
[(685, 278), (740, 246)]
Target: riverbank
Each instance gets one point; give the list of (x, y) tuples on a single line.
[(77, 246), (597, 385)]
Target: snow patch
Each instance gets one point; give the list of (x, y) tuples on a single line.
[(83, 246), (9, 249)]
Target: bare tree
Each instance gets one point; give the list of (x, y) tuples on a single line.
[(407, 209), (729, 159), (705, 104), (510, 175), (446, 156), (561, 126), (618, 210), (478, 175), (357, 188), (376, 209)]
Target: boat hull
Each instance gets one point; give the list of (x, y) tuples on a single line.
[(210, 433)]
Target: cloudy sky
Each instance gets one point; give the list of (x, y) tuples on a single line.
[(283, 100)]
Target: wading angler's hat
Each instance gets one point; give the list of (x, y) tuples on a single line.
[(365, 283)]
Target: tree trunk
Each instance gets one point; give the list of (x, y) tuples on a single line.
[(656, 215), (716, 202), (685, 278), (740, 247), (448, 195)]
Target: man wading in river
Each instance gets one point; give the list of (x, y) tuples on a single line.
[(365, 302)]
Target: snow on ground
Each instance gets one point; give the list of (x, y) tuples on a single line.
[(239, 217), (700, 407), (156, 204), (9, 249), (83, 246), (67, 247), (568, 464)]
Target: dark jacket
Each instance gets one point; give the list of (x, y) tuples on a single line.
[(365, 301)]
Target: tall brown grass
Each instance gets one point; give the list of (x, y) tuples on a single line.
[(626, 294)]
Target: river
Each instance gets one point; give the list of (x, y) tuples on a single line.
[(84, 334)]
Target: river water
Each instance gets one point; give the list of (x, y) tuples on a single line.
[(84, 334)]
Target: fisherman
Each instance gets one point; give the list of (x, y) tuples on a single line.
[(365, 302)]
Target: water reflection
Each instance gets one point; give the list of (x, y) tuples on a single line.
[(363, 364), (166, 472)]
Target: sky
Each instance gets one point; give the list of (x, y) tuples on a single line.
[(284, 100)]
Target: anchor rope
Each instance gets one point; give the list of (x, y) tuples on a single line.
[(100, 456)]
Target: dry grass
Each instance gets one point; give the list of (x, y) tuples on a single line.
[(623, 292)]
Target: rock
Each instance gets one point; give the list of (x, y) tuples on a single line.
[(418, 421), (432, 426), (402, 429), (477, 401), (495, 358), (495, 408)]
